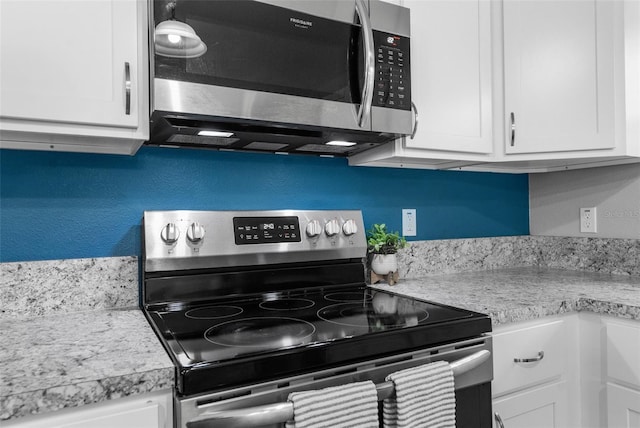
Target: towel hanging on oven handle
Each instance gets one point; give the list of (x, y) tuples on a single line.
[(282, 412)]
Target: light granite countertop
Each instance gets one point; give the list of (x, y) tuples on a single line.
[(69, 359), (526, 293)]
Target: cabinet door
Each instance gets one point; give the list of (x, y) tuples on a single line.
[(150, 410), (69, 61), (623, 351), (623, 407), (451, 75), (558, 71), (546, 342), (534, 408)]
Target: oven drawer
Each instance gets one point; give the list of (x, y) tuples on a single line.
[(529, 355)]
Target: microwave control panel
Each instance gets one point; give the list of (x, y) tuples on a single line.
[(392, 81)]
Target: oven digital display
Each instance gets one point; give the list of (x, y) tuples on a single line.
[(266, 230)]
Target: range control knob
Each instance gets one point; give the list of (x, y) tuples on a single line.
[(195, 232), (332, 228), (169, 233), (350, 227), (313, 228)]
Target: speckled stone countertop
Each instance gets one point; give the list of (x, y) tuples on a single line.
[(72, 334), (526, 293), (71, 359)]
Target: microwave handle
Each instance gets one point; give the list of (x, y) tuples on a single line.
[(364, 112), (415, 124)]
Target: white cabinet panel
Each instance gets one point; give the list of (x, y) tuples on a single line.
[(74, 75), (623, 352), (151, 410), (546, 341), (559, 77), (451, 75), (536, 408), (623, 407), (65, 61)]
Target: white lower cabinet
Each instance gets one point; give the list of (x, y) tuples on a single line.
[(584, 373), (534, 408), (623, 407), (622, 356), (535, 376), (152, 410)]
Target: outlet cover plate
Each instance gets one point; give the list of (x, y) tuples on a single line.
[(409, 222), (588, 220)]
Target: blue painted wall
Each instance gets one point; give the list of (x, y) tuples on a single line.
[(70, 205)]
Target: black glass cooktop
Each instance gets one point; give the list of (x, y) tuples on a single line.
[(219, 342)]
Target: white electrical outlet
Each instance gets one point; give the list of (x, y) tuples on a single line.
[(588, 220), (409, 222)]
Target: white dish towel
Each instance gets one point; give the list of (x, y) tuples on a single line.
[(345, 406), (424, 398)]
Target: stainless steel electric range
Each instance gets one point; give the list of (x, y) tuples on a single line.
[(253, 305)]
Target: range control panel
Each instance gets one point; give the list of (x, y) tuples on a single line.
[(180, 240), (262, 230)]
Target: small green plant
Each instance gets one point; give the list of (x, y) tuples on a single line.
[(379, 241)]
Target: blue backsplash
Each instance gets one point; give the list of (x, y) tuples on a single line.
[(75, 205)]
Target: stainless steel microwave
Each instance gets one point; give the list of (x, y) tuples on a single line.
[(328, 77)]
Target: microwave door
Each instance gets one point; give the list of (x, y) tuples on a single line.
[(270, 63), (361, 64)]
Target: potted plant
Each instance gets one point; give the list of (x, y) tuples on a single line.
[(383, 246)]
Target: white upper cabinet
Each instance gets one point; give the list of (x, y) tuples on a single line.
[(521, 86), (451, 79), (451, 75), (74, 75), (558, 75)]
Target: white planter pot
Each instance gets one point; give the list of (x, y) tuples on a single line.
[(383, 264)]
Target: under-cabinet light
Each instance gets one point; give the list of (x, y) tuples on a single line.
[(223, 134), (341, 143)]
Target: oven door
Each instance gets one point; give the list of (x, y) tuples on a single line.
[(265, 405), (304, 63)]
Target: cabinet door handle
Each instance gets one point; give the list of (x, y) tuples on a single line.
[(415, 115), (513, 129), (498, 419), (530, 360), (127, 88)]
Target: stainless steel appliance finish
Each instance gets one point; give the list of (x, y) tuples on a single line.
[(353, 86), (265, 405), (321, 235), (253, 305)]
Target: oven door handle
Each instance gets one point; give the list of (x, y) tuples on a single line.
[(282, 412)]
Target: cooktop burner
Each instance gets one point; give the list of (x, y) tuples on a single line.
[(349, 297), (213, 312), (287, 304), (261, 332), (368, 316)]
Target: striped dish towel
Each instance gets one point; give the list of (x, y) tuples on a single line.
[(344, 406), (424, 398)]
